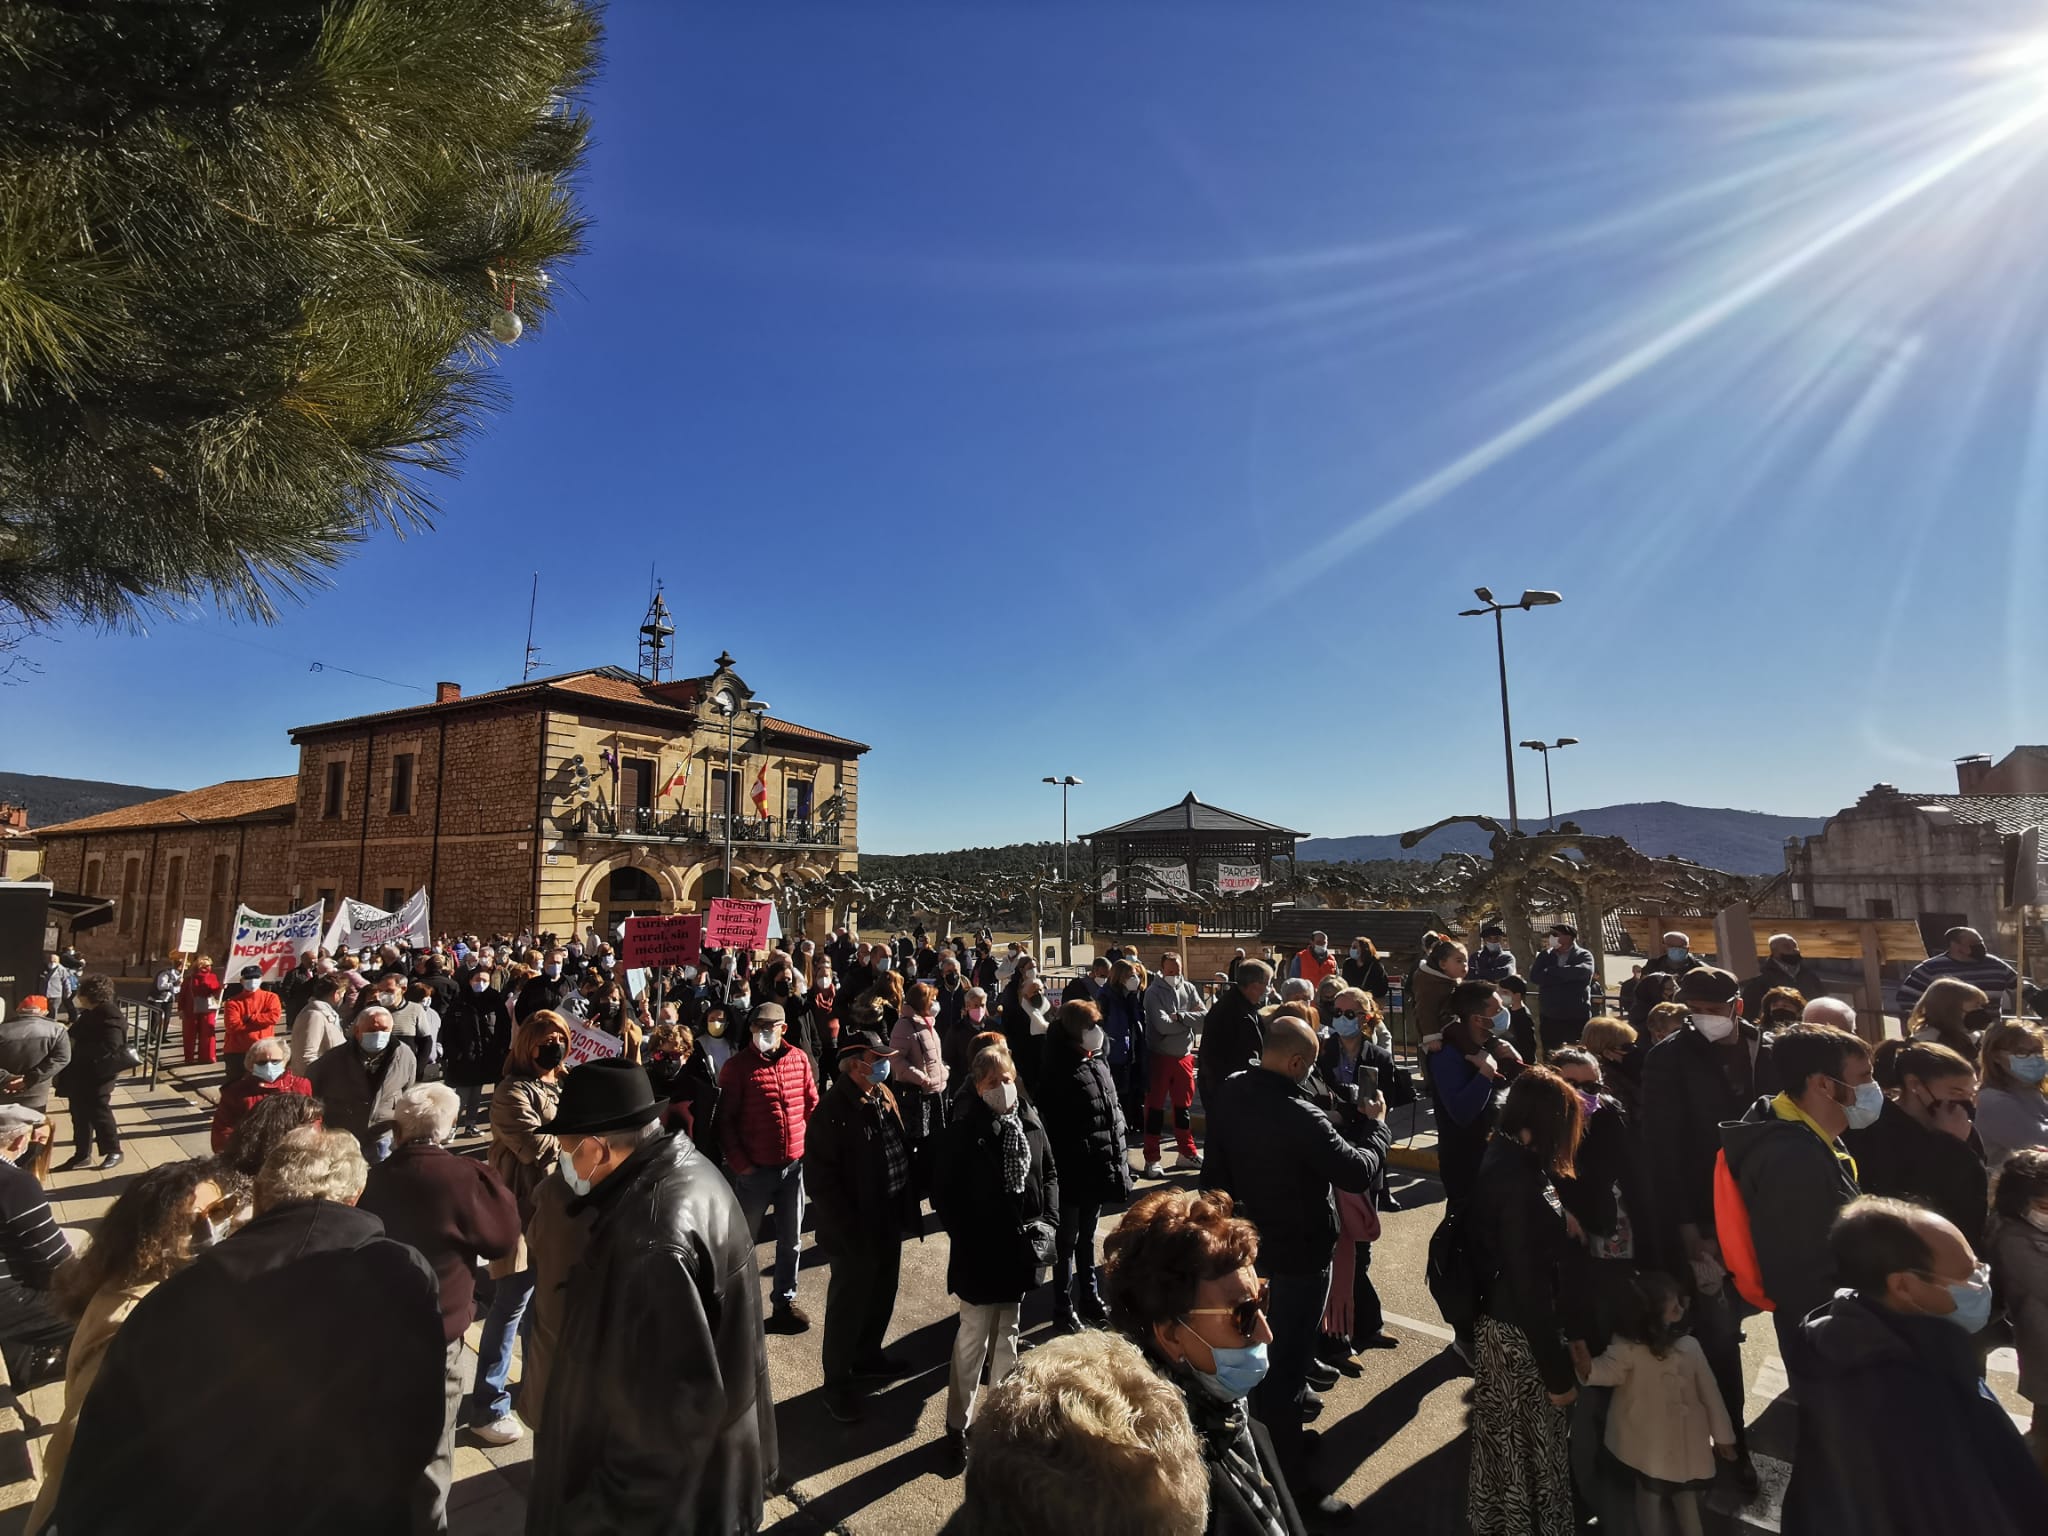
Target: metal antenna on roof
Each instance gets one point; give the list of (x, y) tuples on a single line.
[(532, 655)]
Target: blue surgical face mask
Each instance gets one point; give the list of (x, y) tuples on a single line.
[(1973, 1300), (1501, 1021), (879, 1071), (1674, 953), (1237, 1372), (1869, 1105), (266, 1071), (374, 1040), (2029, 1069), (1347, 1026)]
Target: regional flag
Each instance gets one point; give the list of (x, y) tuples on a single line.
[(761, 791)]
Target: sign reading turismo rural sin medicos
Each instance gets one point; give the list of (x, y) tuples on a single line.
[(738, 924)]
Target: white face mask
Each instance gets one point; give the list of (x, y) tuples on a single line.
[(1130, 983), (1092, 1039), (1000, 1097), (764, 1041), (2037, 1218), (1716, 1027)]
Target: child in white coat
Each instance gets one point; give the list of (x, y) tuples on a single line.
[(1668, 1422)]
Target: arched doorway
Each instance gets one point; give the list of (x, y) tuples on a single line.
[(629, 891)]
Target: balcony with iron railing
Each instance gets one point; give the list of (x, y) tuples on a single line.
[(651, 824)]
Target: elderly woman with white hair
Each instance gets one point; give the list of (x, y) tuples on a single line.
[(264, 1075), (454, 1210)]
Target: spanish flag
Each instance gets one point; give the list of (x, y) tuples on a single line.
[(761, 791), (679, 781)]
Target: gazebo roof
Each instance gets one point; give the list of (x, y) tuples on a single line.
[(1191, 815)]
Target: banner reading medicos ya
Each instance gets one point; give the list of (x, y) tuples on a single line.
[(274, 943)]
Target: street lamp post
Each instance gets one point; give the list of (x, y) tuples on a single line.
[(729, 704), (1065, 784), (1500, 646), (1546, 748)]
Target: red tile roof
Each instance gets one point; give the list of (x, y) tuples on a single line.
[(236, 800)]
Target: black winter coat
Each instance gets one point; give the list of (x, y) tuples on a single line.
[(1805, 980), (1793, 1186), (689, 1083), (990, 1262), (1232, 1038), (1282, 1160), (1395, 1083), (1077, 1100), (1884, 1398), (538, 993), (98, 1037), (847, 1174), (367, 1350), (1518, 1240), (1367, 976), (1899, 1156), (476, 1036), (659, 1418), (1689, 1090)]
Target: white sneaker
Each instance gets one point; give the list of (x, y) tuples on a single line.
[(1186, 1164), (1153, 1171), (499, 1431)]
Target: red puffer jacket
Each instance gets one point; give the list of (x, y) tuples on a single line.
[(763, 1104)]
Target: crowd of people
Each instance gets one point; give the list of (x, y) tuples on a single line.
[(1622, 1194)]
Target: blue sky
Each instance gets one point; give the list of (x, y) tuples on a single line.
[(1138, 391)]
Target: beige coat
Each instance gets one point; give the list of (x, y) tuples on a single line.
[(1425, 1009), (521, 1153), (1667, 1414), (104, 1314)]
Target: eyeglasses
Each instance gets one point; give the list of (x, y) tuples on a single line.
[(1246, 1314)]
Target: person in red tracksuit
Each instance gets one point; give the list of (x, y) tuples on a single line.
[(766, 1093), (198, 1008)]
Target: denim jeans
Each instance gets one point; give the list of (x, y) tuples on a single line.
[(784, 1189), (469, 1096), (492, 1399)]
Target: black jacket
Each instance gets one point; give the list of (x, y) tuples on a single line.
[(1232, 1038), (1663, 965), (1689, 1091), (1793, 1186), (358, 1345), (989, 1261), (659, 1418), (1367, 976), (1077, 1100), (538, 993), (1805, 980), (1900, 1156), (476, 1036), (689, 1083), (1518, 1239), (1395, 1082), (1282, 1160), (847, 1175), (1897, 1436), (1233, 1441), (98, 1037)]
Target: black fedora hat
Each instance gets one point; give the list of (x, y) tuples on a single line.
[(599, 1096)]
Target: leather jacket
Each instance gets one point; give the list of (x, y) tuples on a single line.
[(659, 1418)]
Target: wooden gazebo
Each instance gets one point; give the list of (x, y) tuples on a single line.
[(1222, 860)]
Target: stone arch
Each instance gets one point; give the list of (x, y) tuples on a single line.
[(592, 890)]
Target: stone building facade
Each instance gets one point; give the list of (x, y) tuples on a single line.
[(553, 805)]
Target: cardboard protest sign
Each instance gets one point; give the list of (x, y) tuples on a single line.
[(588, 1044), (738, 924), (656, 941), (274, 943)]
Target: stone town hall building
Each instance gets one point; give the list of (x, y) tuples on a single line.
[(555, 804)]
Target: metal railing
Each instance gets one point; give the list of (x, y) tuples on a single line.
[(698, 827)]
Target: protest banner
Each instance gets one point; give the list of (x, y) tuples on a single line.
[(1172, 876), (738, 924), (359, 926), (654, 941), (588, 1044), (274, 943), (1238, 877)]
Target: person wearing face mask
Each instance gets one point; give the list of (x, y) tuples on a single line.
[(1282, 1159), (1923, 1145), (1024, 1016), (659, 1415), (1077, 1099), (523, 1154), (542, 990), (249, 1014), (1354, 1319), (159, 1224), (1782, 966), (1963, 958), (1564, 979), (766, 1095), (476, 1033), (1495, 961), (1519, 1029), (1364, 970), (997, 1195), (1951, 1013), (1793, 1171), (264, 1076), (1181, 1275), (2018, 1245), (858, 1163), (1675, 959), (1173, 1010), (1123, 1025), (956, 1040), (952, 990), (1468, 1071), (1711, 1068), (1314, 961), (2012, 1109), (918, 1076), (1893, 1387), (359, 1083)]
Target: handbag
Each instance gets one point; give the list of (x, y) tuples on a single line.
[(1042, 1238)]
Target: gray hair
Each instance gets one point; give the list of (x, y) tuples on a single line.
[(372, 1012), (1297, 989), (980, 992), (270, 1046), (1830, 1010), (312, 1164), (426, 1113)]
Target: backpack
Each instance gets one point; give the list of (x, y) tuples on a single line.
[(1453, 1275), (1738, 1243)]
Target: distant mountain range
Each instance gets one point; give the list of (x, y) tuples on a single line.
[(51, 800), (1741, 842)]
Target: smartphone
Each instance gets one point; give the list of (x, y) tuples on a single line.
[(1368, 1081)]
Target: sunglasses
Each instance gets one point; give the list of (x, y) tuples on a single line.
[(1245, 1314)]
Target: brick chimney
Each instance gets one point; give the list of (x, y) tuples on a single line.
[(1971, 772), (447, 693), (14, 817)]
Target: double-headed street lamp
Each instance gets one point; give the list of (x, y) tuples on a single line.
[(1500, 645), (1546, 748), (1066, 783), (730, 706)]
